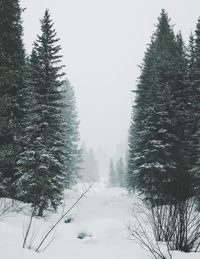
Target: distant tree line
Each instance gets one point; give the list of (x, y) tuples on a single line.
[(39, 139), (117, 173), (89, 165)]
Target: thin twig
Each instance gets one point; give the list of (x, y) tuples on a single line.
[(47, 234)]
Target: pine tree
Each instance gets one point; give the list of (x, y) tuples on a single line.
[(72, 149), (27, 164), (12, 64), (137, 130), (42, 162), (156, 137), (113, 179), (193, 126), (121, 172), (90, 168)]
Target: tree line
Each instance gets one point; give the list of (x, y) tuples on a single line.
[(117, 173), (39, 138), (89, 166)]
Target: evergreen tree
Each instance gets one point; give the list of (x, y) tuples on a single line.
[(185, 179), (12, 64), (113, 179), (42, 162), (121, 172), (156, 138), (72, 149), (126, 180), (90, 168), (193, 126)]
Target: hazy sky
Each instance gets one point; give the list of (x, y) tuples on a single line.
[(103, 41)]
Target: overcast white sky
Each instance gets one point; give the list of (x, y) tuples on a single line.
[(103, 41)]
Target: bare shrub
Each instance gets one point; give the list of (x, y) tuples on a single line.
[(8, 206), (142, 231), (34, 232), (178, 224), (170, 227)]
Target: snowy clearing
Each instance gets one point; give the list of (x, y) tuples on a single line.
[(102, 215)]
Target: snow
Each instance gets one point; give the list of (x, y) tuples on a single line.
[(102, 214)]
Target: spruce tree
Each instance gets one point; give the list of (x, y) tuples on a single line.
[(113, 180), (180, 101), (156, 137), (121, 172), (90, 167), (42, 162), (12, 64), (72, 147), (193, 126)]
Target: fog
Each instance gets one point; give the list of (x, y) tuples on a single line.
[(103, 42)]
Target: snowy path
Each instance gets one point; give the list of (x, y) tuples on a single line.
[(103, 213)]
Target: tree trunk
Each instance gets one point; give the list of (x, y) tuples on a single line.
[(40, 211)]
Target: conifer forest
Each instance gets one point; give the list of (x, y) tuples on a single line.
[(99, 129)]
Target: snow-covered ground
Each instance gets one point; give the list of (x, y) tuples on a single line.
[(102, 214)]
